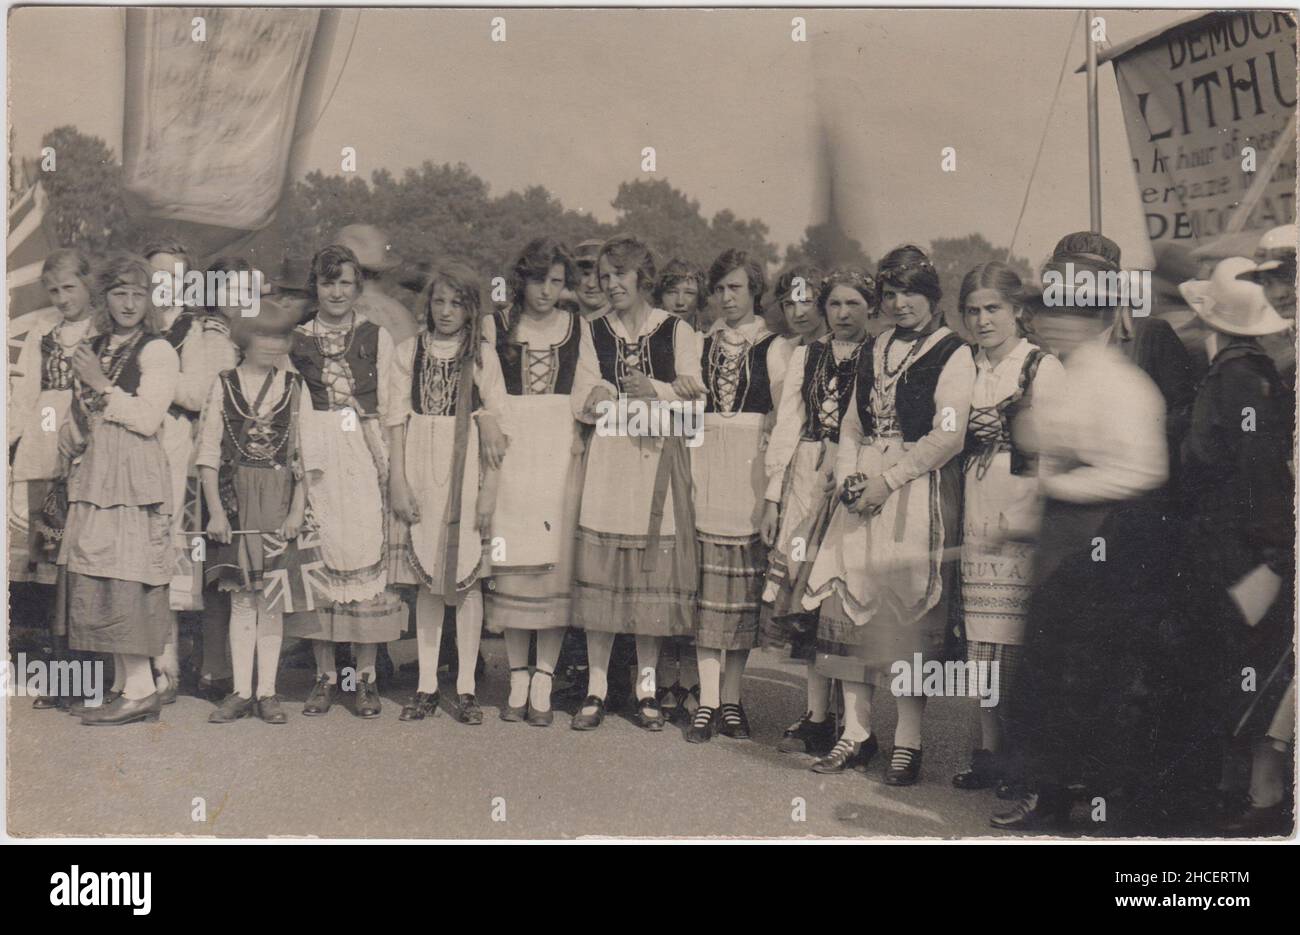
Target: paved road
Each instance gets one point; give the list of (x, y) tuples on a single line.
[(339, 776)]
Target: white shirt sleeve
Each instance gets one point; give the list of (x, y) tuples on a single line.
[(851, 438), (205, 353), (492, 385), (1120, 449), (383, 367), (396, 372), (780, 354), (207, 452), (142, 412), (587, 376), (25, 387), (686, 358), (789, 424), (947, 434)]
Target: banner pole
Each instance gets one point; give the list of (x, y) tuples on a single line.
[(1094, 130)]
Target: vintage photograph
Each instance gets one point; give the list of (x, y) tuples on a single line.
[(744, 423)]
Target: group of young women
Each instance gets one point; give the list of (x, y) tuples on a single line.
[(860, 496)]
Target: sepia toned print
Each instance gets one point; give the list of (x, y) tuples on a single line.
[(815, 423)]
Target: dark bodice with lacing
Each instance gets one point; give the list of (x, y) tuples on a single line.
[(988, 431)]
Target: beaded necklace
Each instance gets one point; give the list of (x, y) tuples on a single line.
[(827, 387), (321, 338), (439, 377)]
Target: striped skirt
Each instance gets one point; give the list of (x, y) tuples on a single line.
[(731, 586)]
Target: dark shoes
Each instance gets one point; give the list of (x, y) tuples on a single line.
[(269, 710), (367, 703), (423, 705), (701, 729), (982, 773), (733, 722), (167, 693), (847, 755), (648, 714), (808, 736), (214, 690), (123, 710), (514, 715), (1034, 811), (904, 767), (46, 702), (589, 721), (81, 708), (468, 711), (321, 698), (232, 708), (540, 718)]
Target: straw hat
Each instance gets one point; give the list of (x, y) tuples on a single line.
[(371, 246), (1276, 251), (1231, 305)]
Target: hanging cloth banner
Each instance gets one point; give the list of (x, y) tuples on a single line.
[(1205, 103), (211, 110)]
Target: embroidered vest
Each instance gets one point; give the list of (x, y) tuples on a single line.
[(653, 354), (515, 363), (362, 358), (914, 394), (818, 424), (56, 364), (264, 442), (753, 389)]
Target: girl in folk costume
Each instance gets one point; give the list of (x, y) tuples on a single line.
[(1001, 501), (742, 365), (39, 401), (635, 570), (117, 541), (882, 577), (682, 290), (340, 356), (200, 335), (252, 481), (447, 400), (800, 461), (537, 501)]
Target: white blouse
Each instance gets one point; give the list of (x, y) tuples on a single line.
[(400, 367), (142, 411), (686, 360)]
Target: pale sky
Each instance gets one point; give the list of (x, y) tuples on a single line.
[(727, 100)]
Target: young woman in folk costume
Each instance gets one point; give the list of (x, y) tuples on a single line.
[(635, 570), (40, 395), (885, 572), (446, 405), (742, 366), (800, 461), (340, 356), (248, 460), (1001, 500), (682, 290), (117, 546), (200, 335), (537, 501), (39, 401)]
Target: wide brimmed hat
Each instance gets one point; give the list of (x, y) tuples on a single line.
[(371, 246), (274, 318), (1275, 253), (1232, 305)]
